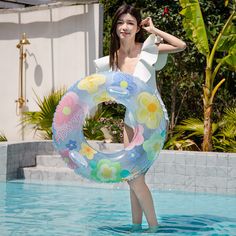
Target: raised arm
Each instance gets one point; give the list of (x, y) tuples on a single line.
[(172, 44)]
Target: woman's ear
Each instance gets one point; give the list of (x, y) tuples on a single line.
[(138, 29)]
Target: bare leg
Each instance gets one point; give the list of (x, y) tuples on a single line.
[(144, 197), (136, 209), (140, 195), (128, 135), (137, 212)]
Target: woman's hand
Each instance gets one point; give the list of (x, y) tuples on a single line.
[(172, 44), (147, 24)]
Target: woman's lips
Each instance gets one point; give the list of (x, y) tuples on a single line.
[(124, 33)]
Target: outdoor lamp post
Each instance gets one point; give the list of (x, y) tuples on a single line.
[(21, 100)]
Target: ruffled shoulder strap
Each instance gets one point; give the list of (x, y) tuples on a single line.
[(150, 59), (102, 64)]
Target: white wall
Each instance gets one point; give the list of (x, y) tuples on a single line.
[(64, 43)]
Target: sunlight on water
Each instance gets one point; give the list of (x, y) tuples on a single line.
[(35, 209)]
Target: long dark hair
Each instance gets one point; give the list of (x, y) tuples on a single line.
[(115, 42)]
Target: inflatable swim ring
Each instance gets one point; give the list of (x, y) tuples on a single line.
[(146, 118)]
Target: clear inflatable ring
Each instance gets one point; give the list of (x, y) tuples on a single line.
[(145, 111)]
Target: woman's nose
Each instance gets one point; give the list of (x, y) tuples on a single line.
[(124, 26)]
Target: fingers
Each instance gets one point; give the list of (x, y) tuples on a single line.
[(146, 22)]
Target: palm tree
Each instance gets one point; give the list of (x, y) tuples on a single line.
[(225, 43)]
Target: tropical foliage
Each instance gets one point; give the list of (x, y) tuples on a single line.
[(225, 139), (224, 44), (189, 134), (41, 121), (108, 117), (2, 137)]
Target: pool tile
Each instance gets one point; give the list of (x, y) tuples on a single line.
[(190, 158), (212, 160), (201, 171), (231, 183), (159, 168), (180, 169), (201, 181), (169, 168), (190, 170), (180, 158), (231, 191), (231, 172), (231, 161), (201, 160), (211, 171), (3, 159), (222, 172), (190, 181)]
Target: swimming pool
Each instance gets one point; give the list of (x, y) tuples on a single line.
[(38, 209)]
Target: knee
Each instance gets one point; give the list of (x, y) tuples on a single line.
[(137, 183)]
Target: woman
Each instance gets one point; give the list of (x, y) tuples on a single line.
[(129, 53)]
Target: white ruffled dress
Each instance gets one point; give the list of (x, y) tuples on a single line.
[(150, 60)]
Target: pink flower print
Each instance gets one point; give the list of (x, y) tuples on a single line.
[(138, 137), (69, 115), (66, 108)]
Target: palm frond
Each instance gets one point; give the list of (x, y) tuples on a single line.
[(41, 121), (192, 125), (2, 137)]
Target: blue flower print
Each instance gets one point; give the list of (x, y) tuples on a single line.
[(125, 81), (71, 145), (135, 153)]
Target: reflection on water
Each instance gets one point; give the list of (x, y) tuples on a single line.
[(185, 225), (36, 209)]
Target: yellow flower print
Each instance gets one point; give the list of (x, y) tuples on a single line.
[(149, 110), (91, 83), (103, 97), (87, 151)]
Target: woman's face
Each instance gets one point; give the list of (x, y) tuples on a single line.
[(126, 26)]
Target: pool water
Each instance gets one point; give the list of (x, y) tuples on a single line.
[(38, 209)]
